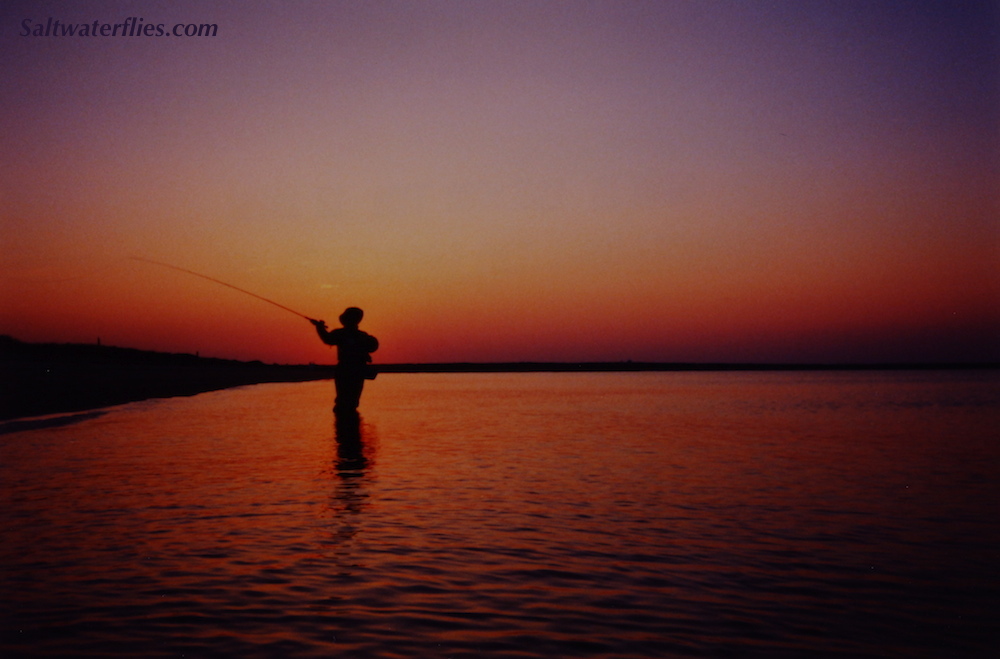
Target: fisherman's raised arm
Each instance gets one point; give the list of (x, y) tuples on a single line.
[(324, 334)]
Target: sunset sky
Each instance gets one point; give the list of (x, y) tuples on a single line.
[(498, 181)]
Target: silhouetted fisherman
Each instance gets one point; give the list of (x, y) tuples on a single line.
[(354, 349)]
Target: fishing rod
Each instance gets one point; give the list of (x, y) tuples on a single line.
[(219, 281)]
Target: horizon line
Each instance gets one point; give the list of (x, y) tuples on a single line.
[(524, 366)]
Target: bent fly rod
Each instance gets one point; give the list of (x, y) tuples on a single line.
[(219, 281)]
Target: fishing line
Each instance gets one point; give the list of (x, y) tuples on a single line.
[(219, 281)]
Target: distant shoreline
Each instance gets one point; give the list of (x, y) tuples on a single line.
[(38, 379), (47, 378), (631, 367)]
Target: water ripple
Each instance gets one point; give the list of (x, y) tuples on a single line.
[(735, 516)]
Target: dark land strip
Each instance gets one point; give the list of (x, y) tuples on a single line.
[(45, 378)]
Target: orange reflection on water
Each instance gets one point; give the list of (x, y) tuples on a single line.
[(531, 513)]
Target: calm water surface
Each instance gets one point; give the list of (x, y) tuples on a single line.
[(524, 515)]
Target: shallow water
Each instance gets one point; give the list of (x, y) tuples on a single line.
[(514, 515)]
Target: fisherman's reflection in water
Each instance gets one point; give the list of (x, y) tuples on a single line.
[(355, 442)]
